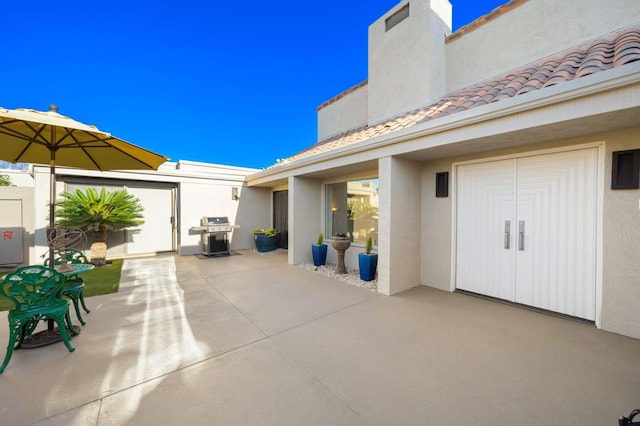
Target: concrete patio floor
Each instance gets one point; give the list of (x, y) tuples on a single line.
[(250, 340)]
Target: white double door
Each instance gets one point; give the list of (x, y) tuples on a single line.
[(526, 230)]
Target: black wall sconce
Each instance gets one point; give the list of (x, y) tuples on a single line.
[(625, 170), (442, 184)]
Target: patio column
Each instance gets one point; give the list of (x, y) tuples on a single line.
[(305, 217), (399, 249)]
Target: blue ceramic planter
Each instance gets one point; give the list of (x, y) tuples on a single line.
[(319, 254), (368, 264), (265, 243)]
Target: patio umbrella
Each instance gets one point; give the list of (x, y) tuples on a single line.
[(29, 136)]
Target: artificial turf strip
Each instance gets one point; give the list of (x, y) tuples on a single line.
[(102, 279)]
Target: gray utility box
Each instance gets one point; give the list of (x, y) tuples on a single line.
[(11, 250)]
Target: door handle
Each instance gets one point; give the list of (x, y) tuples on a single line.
[(507, 234), (521, 235)]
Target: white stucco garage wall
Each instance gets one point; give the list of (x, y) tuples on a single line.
[(202, 190)]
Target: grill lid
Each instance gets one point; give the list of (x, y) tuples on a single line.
[(220, 220)]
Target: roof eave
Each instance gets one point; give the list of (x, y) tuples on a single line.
[(612, 79)]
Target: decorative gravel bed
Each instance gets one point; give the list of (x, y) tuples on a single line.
[(352, 276)]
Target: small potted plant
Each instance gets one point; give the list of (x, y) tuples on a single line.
[(368, 262), (319, 251), (266, 239)]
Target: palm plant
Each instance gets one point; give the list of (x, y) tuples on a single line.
[(364, 216), (98, 212)]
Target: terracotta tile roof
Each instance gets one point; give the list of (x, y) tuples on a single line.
[(613, 50)]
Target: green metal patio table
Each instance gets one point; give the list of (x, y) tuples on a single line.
[(72, 288), (74, 285)]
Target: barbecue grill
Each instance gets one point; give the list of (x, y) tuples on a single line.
[(215, 235)]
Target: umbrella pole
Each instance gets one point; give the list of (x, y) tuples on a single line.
[(52, 203)]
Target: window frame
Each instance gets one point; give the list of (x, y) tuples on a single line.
[(346, 222)]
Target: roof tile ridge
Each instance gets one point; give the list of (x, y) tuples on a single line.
[(342, 95), (627, 47), (484, 19)]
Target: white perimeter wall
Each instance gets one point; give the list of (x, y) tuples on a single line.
[(19, 177), (198, 199), (202, 190), (20, 198)]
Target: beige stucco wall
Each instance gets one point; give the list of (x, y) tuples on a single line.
[(621, 246), (620, 229), (532, 31), (399, 224), (347, 112), (407, 63), (305, 217), (436, 228)]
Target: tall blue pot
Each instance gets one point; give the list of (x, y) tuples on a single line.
[(368, 264), (319, 254)]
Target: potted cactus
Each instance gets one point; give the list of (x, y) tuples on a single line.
[(368, 262), (319, 251)]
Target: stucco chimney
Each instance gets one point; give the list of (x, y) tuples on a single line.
[(407, 63)]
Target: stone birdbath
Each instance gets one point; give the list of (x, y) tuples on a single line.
[(340, 243)]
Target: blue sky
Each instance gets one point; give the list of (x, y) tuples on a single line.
[(234, 83)]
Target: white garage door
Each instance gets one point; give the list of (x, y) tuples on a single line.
[(157, 234), (526, 230)]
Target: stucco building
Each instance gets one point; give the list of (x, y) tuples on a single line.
[(505, 156), (501, 159)]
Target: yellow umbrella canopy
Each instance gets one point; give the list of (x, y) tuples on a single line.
[(30, 136)]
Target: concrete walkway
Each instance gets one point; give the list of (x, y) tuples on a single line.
[(250, 340)]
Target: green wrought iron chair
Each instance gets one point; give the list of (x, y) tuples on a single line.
[(36, 292), (74, 285)]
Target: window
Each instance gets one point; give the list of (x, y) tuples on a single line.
[(397, 17), (352, 209)]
